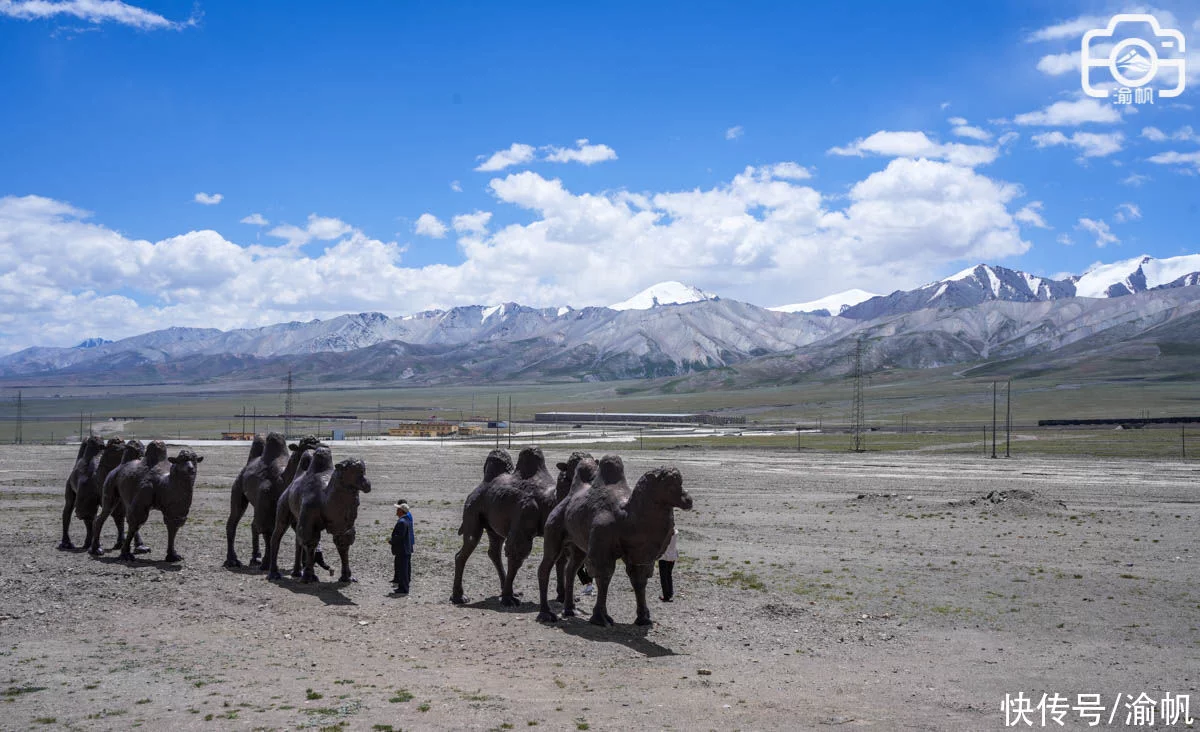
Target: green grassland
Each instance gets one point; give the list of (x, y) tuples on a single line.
[(936, 409)]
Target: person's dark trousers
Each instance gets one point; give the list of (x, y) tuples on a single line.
[(664, 576), (402, 574)]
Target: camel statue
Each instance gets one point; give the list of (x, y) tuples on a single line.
[(604, 521), (323, 498), (116, 458), (268, 471), (512, 508), (86, 462), (152, 489)]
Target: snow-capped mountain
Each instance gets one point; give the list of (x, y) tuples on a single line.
[(828, 305), (664, 293), (983, 283), (1137, 275)]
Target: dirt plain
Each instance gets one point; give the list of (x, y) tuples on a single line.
[(800, 605)]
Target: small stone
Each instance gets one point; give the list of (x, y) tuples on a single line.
[(362, 622), (704, 672)]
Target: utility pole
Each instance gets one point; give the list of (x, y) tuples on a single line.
[(858, 416), (379, 419), (288, 406), (497, 421), (1182, 439), (1008, 420), (18, 438), (243, 421), (510, 421), (81, 426), (993, 420), (254, 421)]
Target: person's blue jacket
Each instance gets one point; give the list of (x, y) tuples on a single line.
[(402, 535)]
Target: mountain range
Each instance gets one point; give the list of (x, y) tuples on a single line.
[(981, 314)]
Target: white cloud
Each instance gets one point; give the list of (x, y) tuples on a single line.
[(91, 11), (917, 145), (1074, 28), (516, 154), (1066, 241), (1031, 214), (1135, 179), (429, 225), (1056, 64), (972, 132), (1008, 137), (763, 236), (1177, 158), (583, 152), (256, 219), (1071, 113), (1100, 230), (208, 199), (319, 228), (1090, 144), (473, 223), (1127, 212), (1182, 134), (734, 132), (456, 186)]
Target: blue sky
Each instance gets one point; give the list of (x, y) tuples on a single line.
[(773, 153)]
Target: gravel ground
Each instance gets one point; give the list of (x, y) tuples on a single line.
[(814, 591)]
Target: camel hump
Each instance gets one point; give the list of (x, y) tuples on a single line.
[(133, 451), (257, 446), (498, 463), (113, 443), (322, 460), (156, 452), (273, 446), (530, 461), (612, 469)]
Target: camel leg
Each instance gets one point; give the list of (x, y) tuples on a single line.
[(575, 558), (517, 548), (94, 548), (69, 499), (135, 523), (309, 555), (298, 558), (495, 546), (172, 529), (255, 554), (237, 508), (118, 514), (551, 549), (602, 574), (281, 526), (560, 567), (470, 541), (342, 543), (639, 575)]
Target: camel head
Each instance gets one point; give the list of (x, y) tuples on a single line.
[(666, 487), (586, 471), (498, 463), (530, 461), (114, 443), (352, 474), (184, 464), (566, 473), (612, 469), (319, 460), (308, 442)]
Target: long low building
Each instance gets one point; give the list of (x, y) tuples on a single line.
[(637, 418)]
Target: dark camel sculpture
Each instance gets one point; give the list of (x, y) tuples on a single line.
[(152, 489), (87, 460), (268, 471), (323, 498), (512, 508), (115, 458), (602, 522)]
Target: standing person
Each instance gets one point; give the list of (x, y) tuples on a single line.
[(402, 548), (666, 563)]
